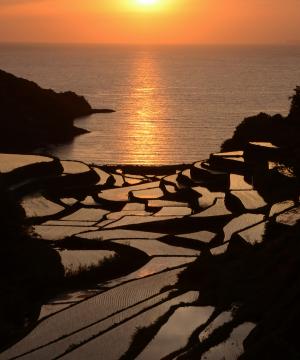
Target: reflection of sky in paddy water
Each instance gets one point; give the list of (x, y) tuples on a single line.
[(155, 265)]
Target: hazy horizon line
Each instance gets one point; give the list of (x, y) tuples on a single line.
[(3, 42)]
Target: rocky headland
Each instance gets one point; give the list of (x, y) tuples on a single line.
[(32, 117), (279, 130), (198, 261)]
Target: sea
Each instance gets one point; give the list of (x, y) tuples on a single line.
[(174, 104)]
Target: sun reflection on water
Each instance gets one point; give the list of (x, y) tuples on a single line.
[(145, 133)]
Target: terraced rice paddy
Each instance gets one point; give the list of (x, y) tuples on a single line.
[(171, 337), (232, 348), (168, 219)]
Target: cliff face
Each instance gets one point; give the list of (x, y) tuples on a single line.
[(31, 116)]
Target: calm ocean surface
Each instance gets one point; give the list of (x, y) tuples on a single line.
[(174, 104)]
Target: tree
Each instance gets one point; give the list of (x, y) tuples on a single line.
[(295, 105)]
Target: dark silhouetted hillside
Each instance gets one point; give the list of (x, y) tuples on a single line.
[(31, 116), (279, 130)]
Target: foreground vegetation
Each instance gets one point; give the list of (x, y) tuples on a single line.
[(29, 271)]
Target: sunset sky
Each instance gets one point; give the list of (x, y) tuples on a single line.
[(163, 21)]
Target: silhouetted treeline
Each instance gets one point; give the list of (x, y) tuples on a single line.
[(277, 129)]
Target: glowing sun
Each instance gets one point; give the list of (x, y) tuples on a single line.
[(147, 2), (147, 6)]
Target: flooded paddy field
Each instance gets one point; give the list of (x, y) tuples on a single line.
[(125, 241)]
